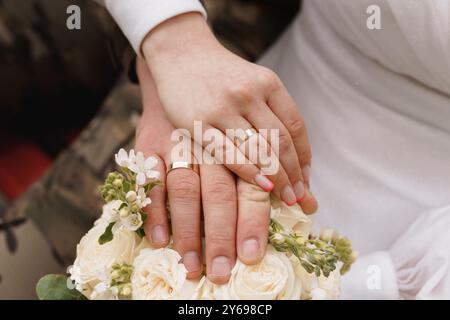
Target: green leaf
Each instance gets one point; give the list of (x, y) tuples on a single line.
[(126, 186), (55, 287), (143, 216), (149, 186), (107, 236)]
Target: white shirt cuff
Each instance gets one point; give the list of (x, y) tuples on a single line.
[(137, 18), (372, 277)]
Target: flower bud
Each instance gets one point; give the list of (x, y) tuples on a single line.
[(300, 240), (124, 212), (278, 238), (115, 274), (126, 291), (131, 196), (135, 208), (326, 234), (117, 183)]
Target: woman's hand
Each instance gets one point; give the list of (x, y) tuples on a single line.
[(229, 230), (199, 80)]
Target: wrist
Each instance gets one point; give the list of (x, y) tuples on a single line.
[(177, 36)]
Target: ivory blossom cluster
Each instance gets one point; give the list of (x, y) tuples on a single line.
[(115, 261)]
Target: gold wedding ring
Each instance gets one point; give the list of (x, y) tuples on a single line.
[(248, 134), (180, 165)]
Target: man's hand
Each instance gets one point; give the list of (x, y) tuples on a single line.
[(197, 79), (224, 223)]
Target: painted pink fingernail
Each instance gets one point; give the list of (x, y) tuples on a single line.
[(264, 182), (299, 190), (159, 234), (288, 196)]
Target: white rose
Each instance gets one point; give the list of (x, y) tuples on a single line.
[(291, 218), (272, 279), (94, 260), (206, 290), (111, 211), (159, 275)]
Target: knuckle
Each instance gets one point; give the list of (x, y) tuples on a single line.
[(305, 157), (222, 237), (284, 143), (296, 127), (242, 93), (241, 168), (253, 193), (221, 192), (219, 111), (186, 187), (186, 234), (269, 78)]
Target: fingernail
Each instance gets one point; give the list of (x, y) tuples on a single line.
[(306, 171), (250, 249), (159, 234), (299, 190), (264, 182), (288, 196), (191, 261), (221, 267)]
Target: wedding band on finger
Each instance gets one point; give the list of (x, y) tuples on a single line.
[(180, 165), (248, 134)]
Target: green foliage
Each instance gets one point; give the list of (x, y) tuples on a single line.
[(315, 255), (107, 236), (55, 287)]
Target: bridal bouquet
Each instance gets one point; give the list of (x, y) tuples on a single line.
[(114, 260)]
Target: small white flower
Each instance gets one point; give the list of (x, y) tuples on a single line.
[(143, 168), (278, 238), (132, 222), (291, 218), (131, 196), (142, 200), (103, 291), (111, 211), (125, 160)]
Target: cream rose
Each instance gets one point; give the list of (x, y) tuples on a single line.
[(94, 260), (272, 279), (159, 275), (206, 290), (110, 211), (291, 218)]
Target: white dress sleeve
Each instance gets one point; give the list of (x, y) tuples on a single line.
[(417, 266), (137, 18)]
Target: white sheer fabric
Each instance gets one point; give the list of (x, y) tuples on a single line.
[(377, 106)]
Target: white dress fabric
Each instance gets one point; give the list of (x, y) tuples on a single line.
[(377, 107)]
